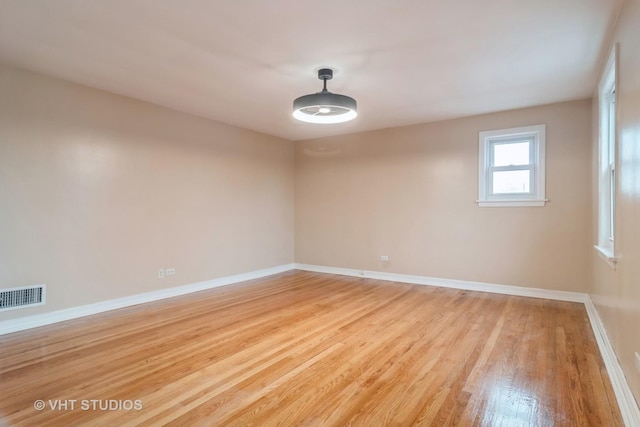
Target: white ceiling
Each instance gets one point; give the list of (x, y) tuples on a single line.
[(243, 62)]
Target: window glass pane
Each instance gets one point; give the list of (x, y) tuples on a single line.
[(612, 204), (511, 182), (516, 153)]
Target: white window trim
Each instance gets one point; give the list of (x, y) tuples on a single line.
[(606, 165), (537, 195), (607, 254)]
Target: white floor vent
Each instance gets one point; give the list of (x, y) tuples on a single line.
[(21, 297)]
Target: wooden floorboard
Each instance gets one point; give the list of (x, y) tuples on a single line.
[(313, 349)]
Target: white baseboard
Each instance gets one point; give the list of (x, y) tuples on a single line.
[(33, 321), (626, 402), (450, 283)]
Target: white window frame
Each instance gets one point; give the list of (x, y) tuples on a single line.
[(607, 160), (536, 197)]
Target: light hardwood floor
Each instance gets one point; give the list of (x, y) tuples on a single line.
[(313, 349)]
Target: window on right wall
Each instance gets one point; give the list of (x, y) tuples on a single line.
[(607, 161), (511, 167)]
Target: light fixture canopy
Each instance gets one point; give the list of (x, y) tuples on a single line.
[(325, 106)]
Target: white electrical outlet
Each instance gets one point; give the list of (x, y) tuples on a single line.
[(170, 271), (384, 258), (161, 274), (638, 362)]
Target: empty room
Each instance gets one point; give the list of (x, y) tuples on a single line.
[(340, 213)]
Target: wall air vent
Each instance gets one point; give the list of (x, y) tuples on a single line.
[(21, 297)]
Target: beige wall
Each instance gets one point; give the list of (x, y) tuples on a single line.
[(616, 293), (99, 191), (409, 193)]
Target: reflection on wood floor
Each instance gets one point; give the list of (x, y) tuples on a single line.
[(304, 348)]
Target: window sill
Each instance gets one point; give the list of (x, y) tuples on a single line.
[(607, 255), (510, 203)]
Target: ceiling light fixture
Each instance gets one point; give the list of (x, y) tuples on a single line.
[(325, 106)]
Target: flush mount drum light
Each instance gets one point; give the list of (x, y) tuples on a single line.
[(324, 106)]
